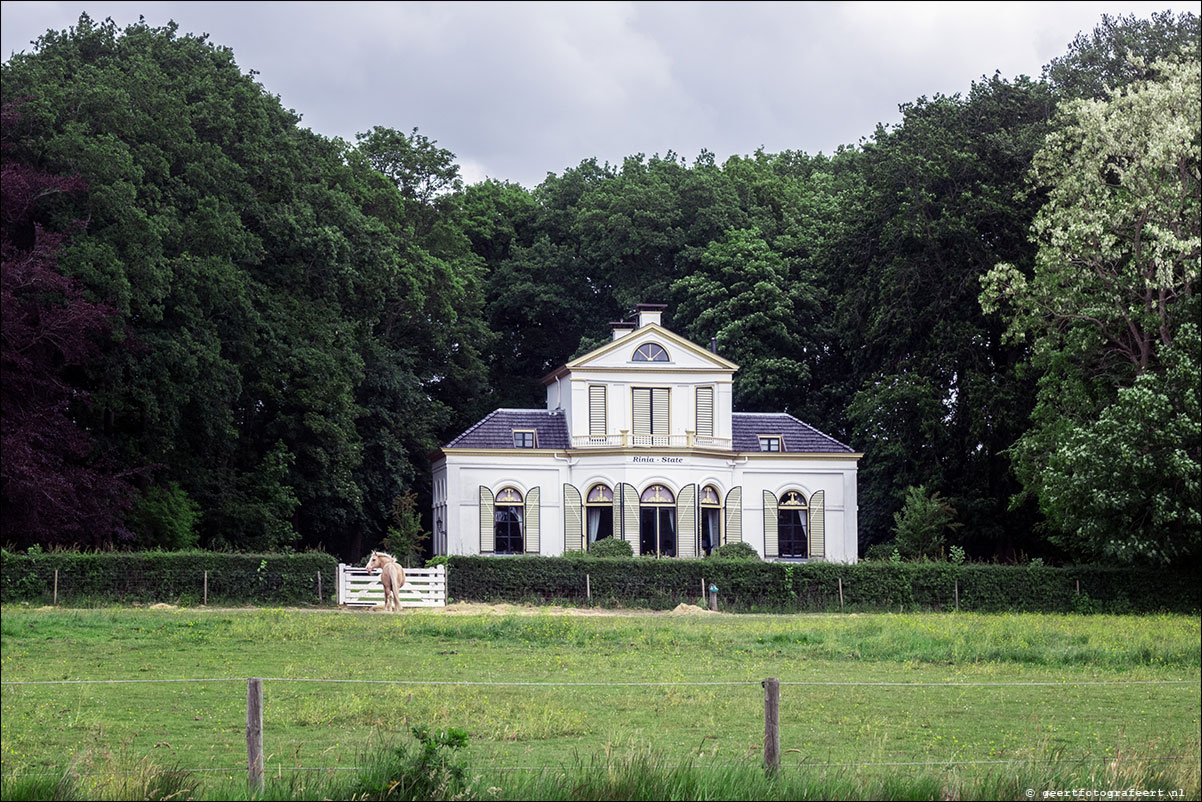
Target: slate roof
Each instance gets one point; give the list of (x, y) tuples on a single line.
[(496, 429), (795, 435)]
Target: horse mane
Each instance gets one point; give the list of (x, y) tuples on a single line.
[(384, 554)]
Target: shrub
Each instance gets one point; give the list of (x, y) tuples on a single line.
[(405, 537), (432, 770), (757, 585), (922, 524), (165, 518), (879, 551), (611, 547), (177, 577), (736, 551)]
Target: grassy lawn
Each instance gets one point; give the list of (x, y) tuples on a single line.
[(110, 728)]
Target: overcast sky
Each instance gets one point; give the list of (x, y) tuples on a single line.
[(520, 90)]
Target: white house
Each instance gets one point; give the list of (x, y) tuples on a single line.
[(638, 441)]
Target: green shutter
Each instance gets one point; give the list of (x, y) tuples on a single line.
[(532, 516), (818, 525), (630, 516), (573, 521), (641, 397), (686, 522), (771, 533), (659, 413), (596, 410), (488, 524), (705, 411), (734, 516)]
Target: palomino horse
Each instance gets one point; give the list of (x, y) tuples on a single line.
[(391, 575)]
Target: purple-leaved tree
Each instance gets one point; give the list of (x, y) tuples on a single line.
[(55, 488)]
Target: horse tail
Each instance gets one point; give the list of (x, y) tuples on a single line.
[(400, 572)]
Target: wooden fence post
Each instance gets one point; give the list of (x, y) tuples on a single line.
[(254, 733), (319, 587), (957, 595), (206, 591), (771, 725), (56, 587), (840, 593), (588, 588)]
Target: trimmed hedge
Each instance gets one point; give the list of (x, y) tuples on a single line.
[(791, 587), (173, 577)]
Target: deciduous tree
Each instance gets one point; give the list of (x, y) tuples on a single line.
[(1114, 455)]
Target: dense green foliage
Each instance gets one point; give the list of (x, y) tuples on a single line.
[(168, 577), (922, 525), (756, 585), (611, 547), (735, 551), (1114, 455), (308, 318), (297, 317)]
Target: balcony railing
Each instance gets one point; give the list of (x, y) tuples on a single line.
[(626, 440)]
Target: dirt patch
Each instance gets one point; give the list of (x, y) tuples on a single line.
[(161, 606), (691, 609)]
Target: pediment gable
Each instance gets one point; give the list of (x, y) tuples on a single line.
[(682, 354)]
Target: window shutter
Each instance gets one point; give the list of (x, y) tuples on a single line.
[(771, 539), (705, 411), (734, 516), (659, 411), (642, 410), (630, 516), (597, 425), (573, 521), (488, 524), (686, 521), (532, 533), (818, 525)]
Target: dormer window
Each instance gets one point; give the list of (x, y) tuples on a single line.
[(650, 352), (523, 438), (770, 443)]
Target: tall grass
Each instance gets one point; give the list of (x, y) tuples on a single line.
[(411, 770)]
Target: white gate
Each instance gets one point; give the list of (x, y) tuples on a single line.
[(424, 587)]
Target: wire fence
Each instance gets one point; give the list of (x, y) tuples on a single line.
[(771, 718), (690, 684)]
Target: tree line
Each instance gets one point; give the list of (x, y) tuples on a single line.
[(223, 329)]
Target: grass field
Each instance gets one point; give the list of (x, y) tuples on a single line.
[(548, 738)]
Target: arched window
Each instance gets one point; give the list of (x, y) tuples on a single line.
[(793, 525), (650, 352), (711, 519), (657, 522), (599, 509), (509, 514)]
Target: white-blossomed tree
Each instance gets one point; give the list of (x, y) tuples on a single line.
[(1111, 317)]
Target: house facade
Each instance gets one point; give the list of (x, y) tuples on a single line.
[(638, 441)]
